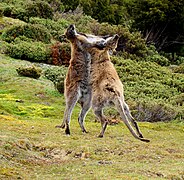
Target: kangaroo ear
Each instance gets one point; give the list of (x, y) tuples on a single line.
[(116, 36), (105, 37), (71, 27)]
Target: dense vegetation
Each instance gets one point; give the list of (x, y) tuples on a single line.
[(160, 23), (33, 62), (33, 31)]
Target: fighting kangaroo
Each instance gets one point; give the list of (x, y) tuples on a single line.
[(105, 87), (77, 81)]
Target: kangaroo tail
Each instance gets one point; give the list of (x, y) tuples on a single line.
[(126, 121)]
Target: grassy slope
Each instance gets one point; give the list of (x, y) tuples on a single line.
[(31, 148)]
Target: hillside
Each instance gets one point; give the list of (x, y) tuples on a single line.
[(30, 108), (31, 147)]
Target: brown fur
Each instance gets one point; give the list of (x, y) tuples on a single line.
[(92, 75), (77, 81), (107, 88)]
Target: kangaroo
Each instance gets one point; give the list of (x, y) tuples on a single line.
[(107, 88), (76, 86)]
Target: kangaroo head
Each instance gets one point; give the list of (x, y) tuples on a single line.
[(107, 44), (100, 51), (93, 45), (82, 39)]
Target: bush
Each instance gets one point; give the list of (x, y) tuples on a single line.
[(178, 69), (161, 60), (29, 71), (57, 76), (35, 32), (39, 9), (154, 56), (154, 112), (35, 52), (159, 91), (1, 12), (14, 10), (6, 9), (56, 28), (81, 21)]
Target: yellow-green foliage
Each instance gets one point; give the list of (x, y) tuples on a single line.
[(37, 110), (35, 32), (7, 97), (179, 69), (6, 22), (7, 117)]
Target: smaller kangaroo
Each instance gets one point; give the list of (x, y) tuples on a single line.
[(107, 88)]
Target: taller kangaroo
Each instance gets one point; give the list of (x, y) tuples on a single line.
[(77, 81)]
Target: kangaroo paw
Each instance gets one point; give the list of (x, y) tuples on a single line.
[(67, 131), (60, 126), (141, 136), (100, 136), (84, 131)]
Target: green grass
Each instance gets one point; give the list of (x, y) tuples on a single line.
[(32, 148)]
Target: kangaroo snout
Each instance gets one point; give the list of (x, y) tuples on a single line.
[(101, 44)]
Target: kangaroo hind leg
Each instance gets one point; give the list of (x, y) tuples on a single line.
[(71, 101), (85, 104), (104, 122)]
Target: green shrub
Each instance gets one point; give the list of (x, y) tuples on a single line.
[(161, 60), (57, 76), (154, 56), (35, 32), (151, 111), (29, 71), (56, 28), (6, 9), (150, 83), (178, 99), (39, 9), (14, 10), (19, 13), (31, 51), (173, 57), (81, 21)]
